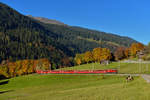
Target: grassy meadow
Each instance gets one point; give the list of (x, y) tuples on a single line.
[(73, 87), (133, 68), (79, 87)]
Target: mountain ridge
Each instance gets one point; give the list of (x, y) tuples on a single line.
[(102, 39), (91, 30), (48, 21), (23, 37)]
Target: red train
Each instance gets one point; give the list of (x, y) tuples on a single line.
[(108, 71)]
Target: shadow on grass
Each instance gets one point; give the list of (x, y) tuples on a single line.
[(1, 92), (2, 77), (4, 82)]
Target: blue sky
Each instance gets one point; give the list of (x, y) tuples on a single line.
[(123, 17)]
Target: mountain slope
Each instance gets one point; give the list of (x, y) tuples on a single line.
[(81, 39), (23, 38)]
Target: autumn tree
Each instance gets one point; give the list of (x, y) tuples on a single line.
[(119, 53), (43, 64), (66, 61), (78, 61), (18, 70), (25, 66), (88, 56), (136, 47), (97, 54), (127, 52), (32, 64), (11, 68), (146, 52), (4, 71), (105, 54), (79, 58), (22, 67)]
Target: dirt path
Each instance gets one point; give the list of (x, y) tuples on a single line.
[(146, 77)]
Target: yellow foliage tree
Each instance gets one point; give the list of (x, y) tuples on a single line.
[(3, 71), (106, 54), (79, 58), (97, 54), (12, 67), (25, 66), (78, 61), (88, 56), (44, 64)]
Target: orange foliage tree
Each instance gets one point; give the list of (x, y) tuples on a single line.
[(22, 67), (127, 52), (119, 53), (11, 68), (136, 47)]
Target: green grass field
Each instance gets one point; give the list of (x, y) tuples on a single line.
[(122, 67), (79, 87), (74, 87)]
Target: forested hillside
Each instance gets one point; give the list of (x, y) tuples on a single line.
[(22, 37), (79, 39)]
